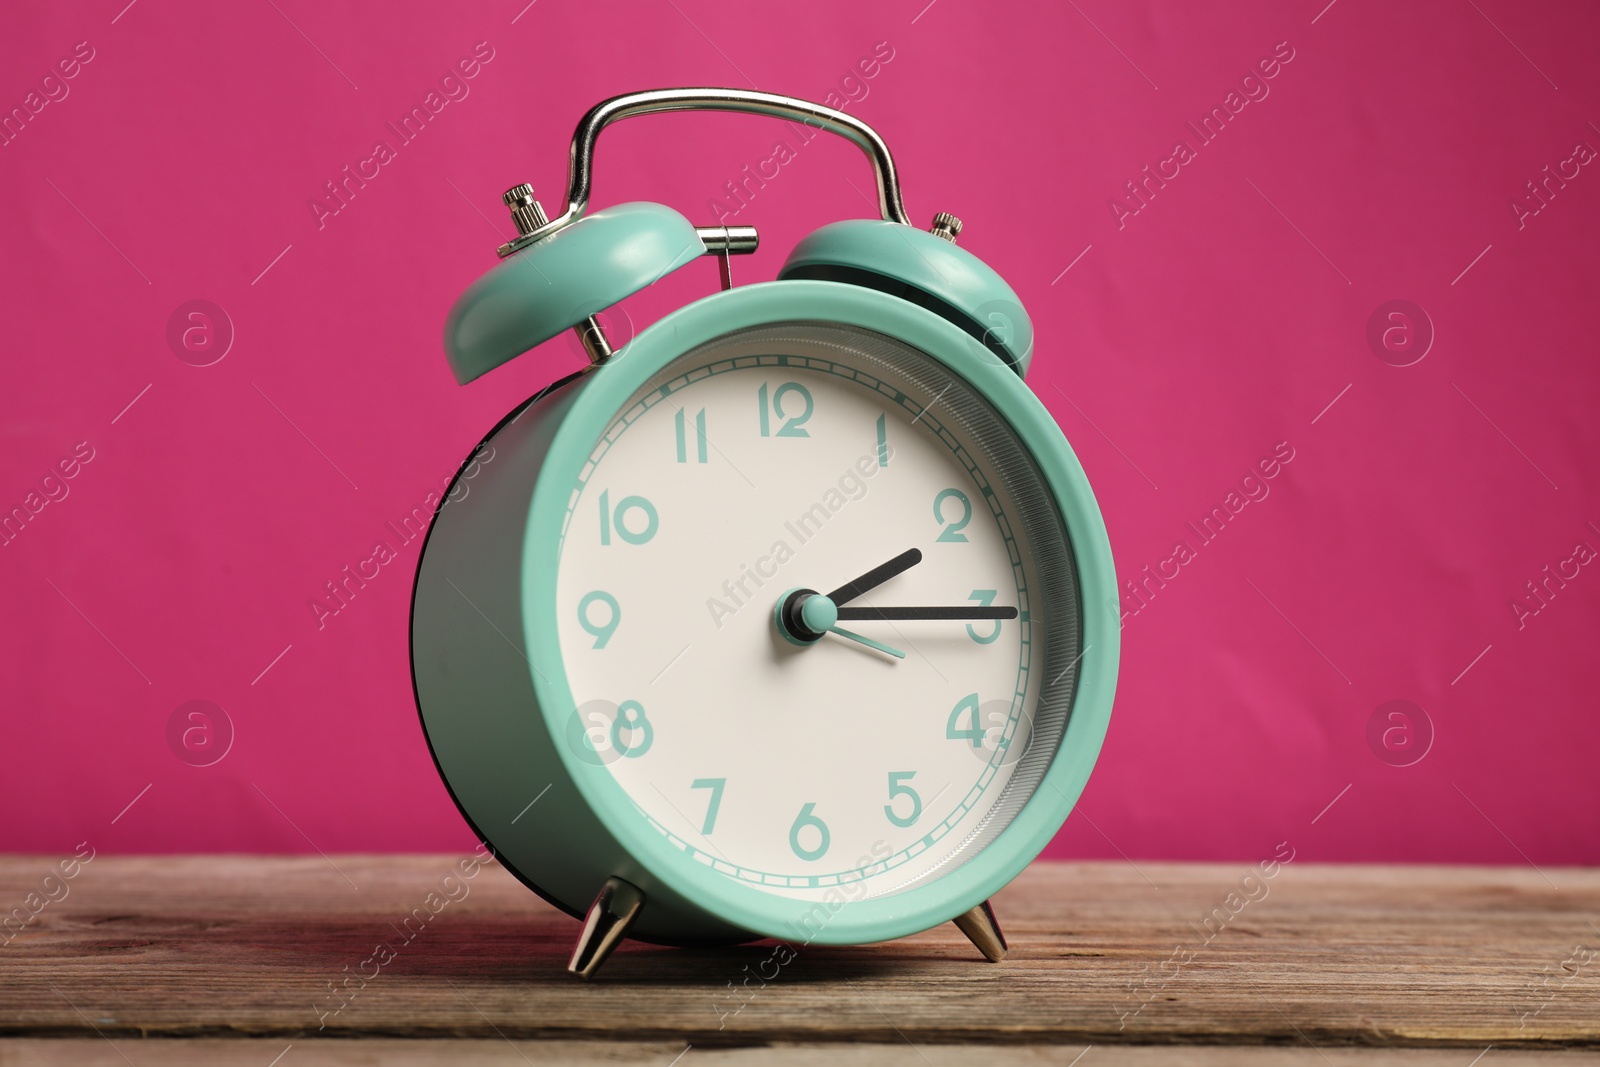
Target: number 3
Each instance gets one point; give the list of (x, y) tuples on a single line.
[(985, 597)]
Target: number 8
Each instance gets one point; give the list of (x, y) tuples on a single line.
[(631, 717)]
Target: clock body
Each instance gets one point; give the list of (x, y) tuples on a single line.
[(608, 689)]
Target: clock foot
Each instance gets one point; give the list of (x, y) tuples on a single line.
[(983, 930), (612, 912)]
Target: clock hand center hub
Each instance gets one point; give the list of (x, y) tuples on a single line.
[(818, 613), (804, 615)]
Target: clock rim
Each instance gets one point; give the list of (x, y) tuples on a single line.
[(610, 387)]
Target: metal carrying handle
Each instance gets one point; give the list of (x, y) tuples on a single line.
[(581, 171)]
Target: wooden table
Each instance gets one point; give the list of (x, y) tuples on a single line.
[(235, 960)]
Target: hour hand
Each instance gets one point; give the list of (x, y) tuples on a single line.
[(876, 576)]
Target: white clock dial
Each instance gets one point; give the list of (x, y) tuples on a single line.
[(803, 456)]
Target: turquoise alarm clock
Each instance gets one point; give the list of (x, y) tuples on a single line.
[(794, 617)]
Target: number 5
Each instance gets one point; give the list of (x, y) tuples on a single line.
[(898, 790)]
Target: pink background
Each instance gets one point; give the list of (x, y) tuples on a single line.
[(1179, 348)]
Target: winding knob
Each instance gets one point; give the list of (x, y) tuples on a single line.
[(526, 212), (944, 225)]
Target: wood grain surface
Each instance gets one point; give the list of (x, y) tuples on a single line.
[(1103, 955), (494, 1052)]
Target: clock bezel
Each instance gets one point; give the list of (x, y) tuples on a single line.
[(609, 388)]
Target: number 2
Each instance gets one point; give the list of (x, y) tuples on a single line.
[(952, 532)]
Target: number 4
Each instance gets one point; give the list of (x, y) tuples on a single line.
[(974, 733)]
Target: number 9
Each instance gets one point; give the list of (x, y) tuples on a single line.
[(601, 632)]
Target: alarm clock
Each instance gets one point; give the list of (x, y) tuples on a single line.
[(794, 616)]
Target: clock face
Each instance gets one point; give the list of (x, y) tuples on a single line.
[(780, 752)]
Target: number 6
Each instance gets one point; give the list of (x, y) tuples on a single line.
[(807, 819)]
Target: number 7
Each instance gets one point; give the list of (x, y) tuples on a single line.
[(715, 785)]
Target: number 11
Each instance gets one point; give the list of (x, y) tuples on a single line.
[(683, 436)]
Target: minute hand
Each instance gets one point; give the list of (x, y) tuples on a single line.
[(958, 612)]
